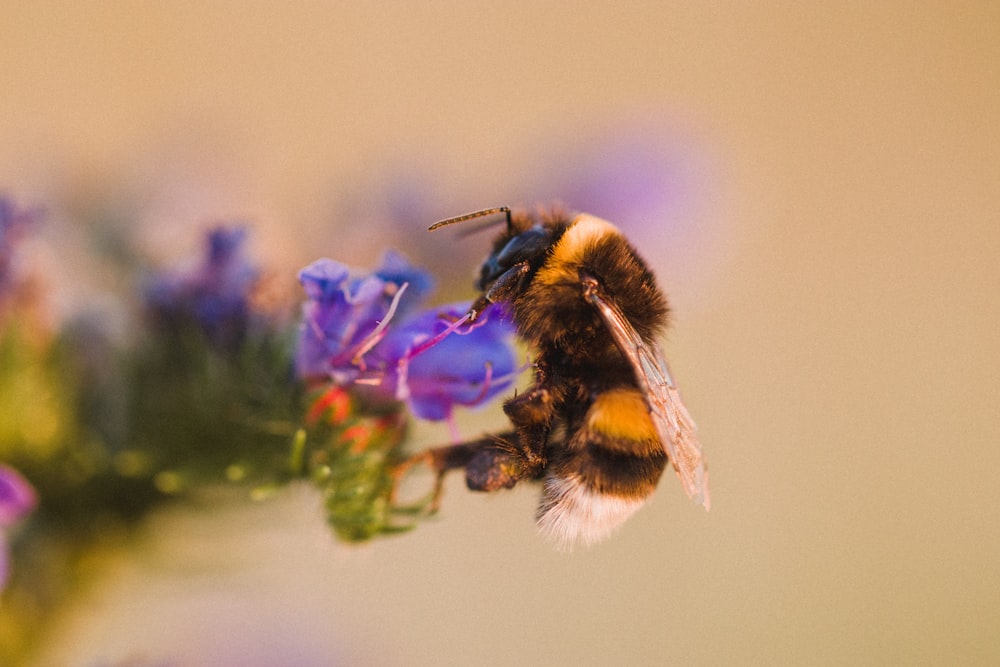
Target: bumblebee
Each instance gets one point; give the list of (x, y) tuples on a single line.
[(603, 415)]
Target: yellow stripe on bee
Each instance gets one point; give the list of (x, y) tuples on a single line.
[(622, 413), (584, 233)]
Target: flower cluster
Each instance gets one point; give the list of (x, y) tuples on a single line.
[(367, 347), (207, 394), (96, 431), (365, 331)]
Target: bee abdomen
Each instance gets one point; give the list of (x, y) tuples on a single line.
[(608, 469)]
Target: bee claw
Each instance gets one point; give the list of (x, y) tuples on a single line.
[(435, 463)]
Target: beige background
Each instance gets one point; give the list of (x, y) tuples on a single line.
[(836, 300)]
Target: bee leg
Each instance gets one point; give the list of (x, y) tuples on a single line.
[(501, 290), (400, 470), (531, 414), (530, 409), (490, 464), (495, 468), (440, 460)]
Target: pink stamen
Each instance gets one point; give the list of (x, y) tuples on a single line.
[(357, 353), (486, 383), (434, 340), (456, 435), (403, 365), (402, 374), (378, 333)]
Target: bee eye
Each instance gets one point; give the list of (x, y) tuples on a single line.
[(523, 246)]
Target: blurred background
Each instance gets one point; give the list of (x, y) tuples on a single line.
[(815, 186)]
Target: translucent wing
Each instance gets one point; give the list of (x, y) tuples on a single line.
[(673, 423)]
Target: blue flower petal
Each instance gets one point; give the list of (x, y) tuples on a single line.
[(398, 270), (467, 367)]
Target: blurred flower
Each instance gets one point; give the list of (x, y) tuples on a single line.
[(17, 498), (215, 295), (653, 176), (359, 331), (13, 223), (629, 177)]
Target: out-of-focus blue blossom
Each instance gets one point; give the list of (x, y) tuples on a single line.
[(17, 499), (397, 269), (634, 176), (13, 223), (653, 177), (360, 330), (214, 295), (345, 316)]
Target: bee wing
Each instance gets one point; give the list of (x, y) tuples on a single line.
[(677, 430)]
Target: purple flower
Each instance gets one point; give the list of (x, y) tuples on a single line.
[(215, 295), (17, 498), (345, 316), (467, 366), (360, 331), (632, 176)]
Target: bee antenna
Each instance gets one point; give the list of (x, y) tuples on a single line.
[(472, 216)]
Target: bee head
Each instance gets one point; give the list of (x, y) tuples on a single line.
[(526, 248), (518, 251)]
